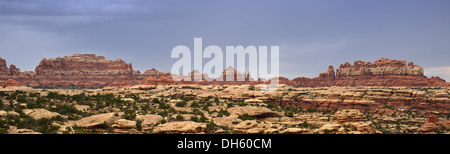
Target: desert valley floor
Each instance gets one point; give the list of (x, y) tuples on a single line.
[(225, 109)]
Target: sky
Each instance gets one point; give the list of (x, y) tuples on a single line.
[(311, 34)]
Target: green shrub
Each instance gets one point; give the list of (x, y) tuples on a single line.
[(195, 104), (155, 100), (139, 125), (3, 131), (179, 118), (327, 131), (163, 121), (2, 105), (129, 115), (202, 119), (181, 104), (163, 106), (246, 117), (211, 128), (194, 118), (224, 112)]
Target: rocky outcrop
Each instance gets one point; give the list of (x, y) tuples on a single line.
[(96, 120), (12, 70), (180, 127), (89, 70), (149, 77), (149, 120), (78, 71), (257, 112), (12, 76), (124, 124), (382, 72), (40, 113), (324, 79), (10, 83), (354, 120), (431, 126), (162, 80), (349, 115), (82, 70), (250, 127)]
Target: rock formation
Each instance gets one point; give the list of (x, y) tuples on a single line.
[(431, 126), (96, 120), (77, 71), (40, 113), (89, 70), (382, 72), (12, 76), (82, 70), (179, 127)]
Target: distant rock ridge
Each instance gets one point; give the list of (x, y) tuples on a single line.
[(379, 67), (76, 71), (384, 72), (90, 70), (81, 70)]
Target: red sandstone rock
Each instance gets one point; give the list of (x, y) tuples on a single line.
[(149, 81), (447, 124), (89, 70), (432, 125), (82, 70), (433, 119), (13, 83), (382, 72), (163, 80), (428, 128), (3, 67)]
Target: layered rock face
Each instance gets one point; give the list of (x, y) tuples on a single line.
[(89, 70), (382, 72), (148, 76), (5, 71), (82, 70), (79, 70), (324, 79), (12, 75)]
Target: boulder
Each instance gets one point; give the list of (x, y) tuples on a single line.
[(83, 108), (124, 124), (180, 127), (330, 126), (253, 101), (349, 115), (149, 120), (226, 121), (250, 127), (40, 113), (96, 120), (295, 131), (258, 112), (3, 113), (428, 128)]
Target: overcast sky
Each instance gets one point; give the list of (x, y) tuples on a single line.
[(311, 34)]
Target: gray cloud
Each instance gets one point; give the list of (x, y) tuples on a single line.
[(311, 34)]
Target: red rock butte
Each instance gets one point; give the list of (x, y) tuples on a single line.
[(382, 72), (89, 70)]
